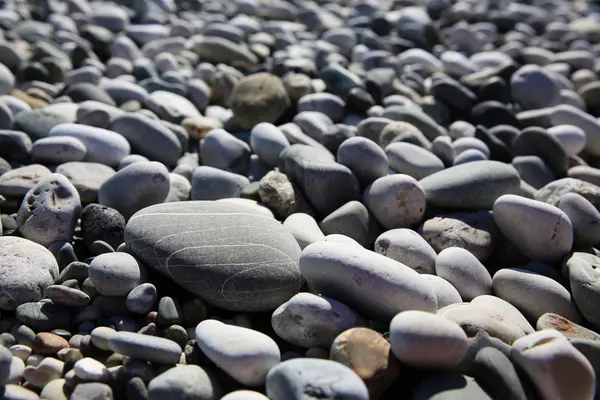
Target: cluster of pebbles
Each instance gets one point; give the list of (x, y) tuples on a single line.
[(252, 199)]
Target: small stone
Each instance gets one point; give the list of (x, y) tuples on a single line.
[(27, 269), (142, 298), (102, 223), (209, 183), (303, 228), (197, 127), (246, 355), (222, 150), (308, 320), (19, 181), (16, 145), (427, 340), (364, 158), (277, 192), (90, 370), (553, 191), (352, 220), (570, 330), (93, 390), (184, 382), (291, 379), (542, 354), (407, 247), (464, 271), (244, 395), (47, 370), (268, 142), (413, 160), (58, 150), (48, 344), (258, 98), (145, 347), (100, 337), (584, 217), (169, 312), (505, 308), (541, 231), (115, 274), (582, 270)]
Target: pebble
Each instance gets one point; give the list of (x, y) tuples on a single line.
[(19, 181), (220, 149), (183, 382), (271, 255), (369, 283), (476, 185), (407, 247), (246, 355), (145, 347), (115, 274), (583, 216), (413, 160), (464, 271), (423, 339), (145, 183), (534, 294), (295, 379), (92, 390), (505, 308), (541, 231), (49, 211), (308, 320), (353, 220), (58, 150), (268, 142), (542, 354), (209, 183), (303, 228), (16, 145), (27, 269), (90, 370), (583, 279)]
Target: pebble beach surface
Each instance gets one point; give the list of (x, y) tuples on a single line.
[(299, 200)]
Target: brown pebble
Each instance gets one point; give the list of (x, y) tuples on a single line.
[(367, 353), (27, 98), (48, 343), (151, 317), (197, 127)]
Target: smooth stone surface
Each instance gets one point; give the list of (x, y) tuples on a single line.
[(58, 150), (135, 187), (14, 145), (364, 158), (505, 308), (409, 248), (543, 355), (497, 375), (474, 185), (115, 274), (571, 137), (222, 150), (28, 268), (445, 293), (268, 142), (308, 320), (353, 220), (49, 211), (19, 181), (372, 284), (304, 228), (300, 378), (582, 270), (464, 271), (86, 177), (396, 201), (184, 382), (534, 294), (246, 355), (90, 370), (148, 138), (413, 160), (145, 347), (422, 339), (259, 270), (209, 183), (541, 231), (584, 217), (142, 298), (103, 146)]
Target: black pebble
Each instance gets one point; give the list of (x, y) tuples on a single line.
[(102, 223)]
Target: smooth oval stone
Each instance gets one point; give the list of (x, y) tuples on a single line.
[(304, 229), (327, 103), (445, 293), (58, 150), (259, 271), (67, 296), (145, 347), (115, 274), (533, 88), (449, 385), (565, 114), (541, 231), (585, 173), (475, 185), (497, 374), (170, 106), (572, 138), (533, 170), (464, 271), (396, 201), (14, 145), (542, 355), (534, 294), (368, 354), (409, 248), (268, 142), (142, 298), (148, 138), (27, 269), (184, 382), (19, 181), (244, 395), (474, 319), (245, 354), (536, 141), (222, 150), (365, 159), (103, 146), (86, 177), (584, 217), (582, 269), (298, 378), (422, 339), (468, 156), (209, 183), (308, 320), (409, 159), (135, 187), (505, 308), (354, 276), (38, 123), (49, 211), (352, 220)]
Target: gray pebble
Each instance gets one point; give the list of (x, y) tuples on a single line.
[(58, 150), (209, 183), (222, 150), (268, 142), (364, 158), (184, 382), (409, 159), (464, 271), (407, 247), (584, 217), (115, 274), (145, 347)]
